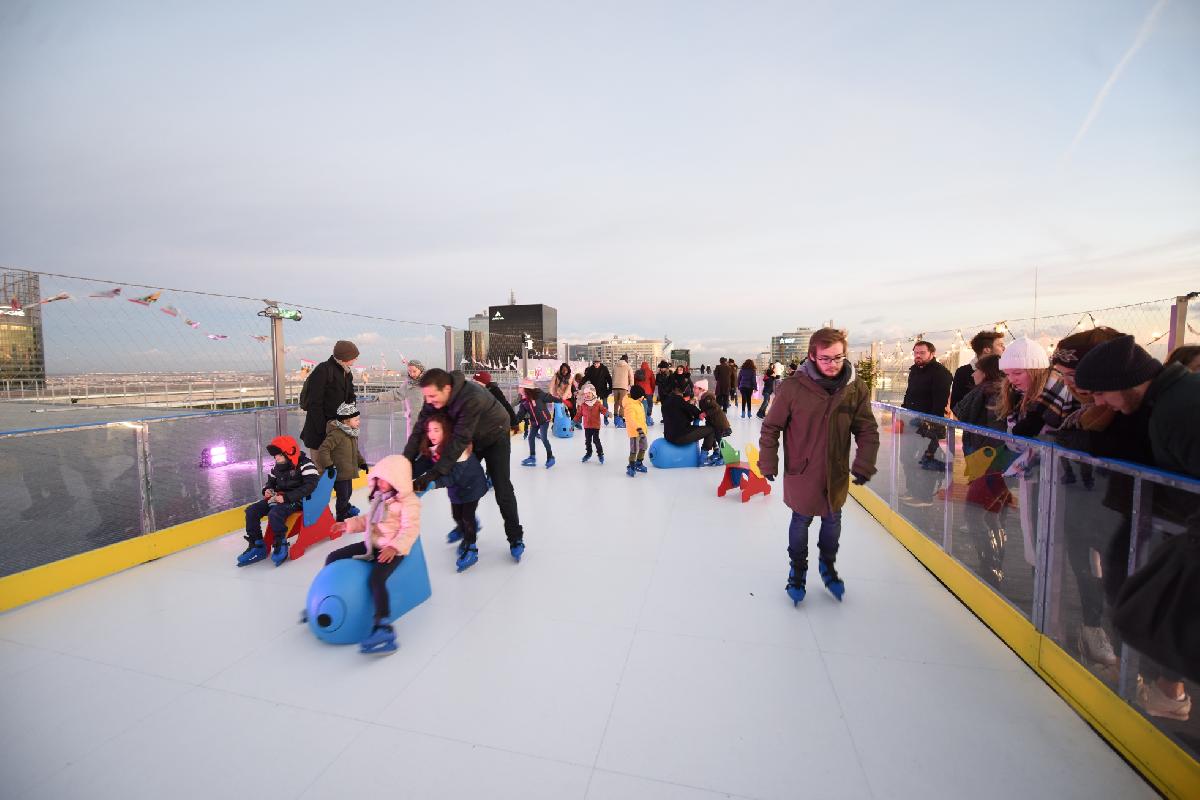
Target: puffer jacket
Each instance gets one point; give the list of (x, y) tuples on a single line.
[(340, 451), (296, 478), (635, 416), (400, 524), (536, 408), (466, 482), (747, 378), (590, 413)]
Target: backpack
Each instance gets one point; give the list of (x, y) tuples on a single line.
[(641, 376)]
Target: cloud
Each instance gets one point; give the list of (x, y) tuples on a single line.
[(318, 340)]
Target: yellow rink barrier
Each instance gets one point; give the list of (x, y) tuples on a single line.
[(34, 584), (1151, 752)]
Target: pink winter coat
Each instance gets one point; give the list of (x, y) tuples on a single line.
[(401, 522)]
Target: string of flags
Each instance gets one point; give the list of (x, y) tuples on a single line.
[(16, 309)]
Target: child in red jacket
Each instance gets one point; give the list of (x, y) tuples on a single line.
[(590, 411)]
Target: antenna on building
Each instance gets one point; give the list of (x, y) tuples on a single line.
[(512, 297)]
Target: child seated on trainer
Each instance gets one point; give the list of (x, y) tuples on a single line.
[(589, 414), (635, 423), (340, 451), (292, 479), (466, 484), (391, 525), (716, 418)]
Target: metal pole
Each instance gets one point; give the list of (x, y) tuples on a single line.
[(144, 482), (524, 358), (450, 365), (258, 447), (1177, 334), (277, 375)]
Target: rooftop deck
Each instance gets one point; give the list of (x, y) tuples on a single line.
[(644, 648)]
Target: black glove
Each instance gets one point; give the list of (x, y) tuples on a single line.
[(859, 480), (422, 481), (769, 476)]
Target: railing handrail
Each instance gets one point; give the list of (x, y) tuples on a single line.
[(167, 417), (1130, 468)]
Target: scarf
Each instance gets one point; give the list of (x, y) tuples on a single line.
[(374, 516), (831, 385), (346, 429)]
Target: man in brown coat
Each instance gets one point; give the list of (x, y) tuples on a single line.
[(817, 410)]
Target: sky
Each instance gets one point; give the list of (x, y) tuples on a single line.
[(717, 172)]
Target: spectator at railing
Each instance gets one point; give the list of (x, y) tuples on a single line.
[(928, 392), (984, 343), (329, 385), (1124, 377)]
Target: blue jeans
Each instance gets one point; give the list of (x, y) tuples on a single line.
[(276, 514), (827, 541), (648, 404), (536, 431)]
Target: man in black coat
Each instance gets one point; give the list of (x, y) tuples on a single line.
[(476, 418), (928, 392), (723, 373), (600, 379), (984, 343), (484, 379), (330, 384)]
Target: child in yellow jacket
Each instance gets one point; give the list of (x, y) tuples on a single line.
[(635, 422), (391, 525)]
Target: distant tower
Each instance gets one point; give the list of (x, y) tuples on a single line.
[(512, 297)]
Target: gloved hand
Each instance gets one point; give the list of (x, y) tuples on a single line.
[(769, 476), (859, 480), (422, 481)]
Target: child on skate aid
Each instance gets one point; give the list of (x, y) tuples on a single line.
[(466, 484), (292, 479), (391, 525)]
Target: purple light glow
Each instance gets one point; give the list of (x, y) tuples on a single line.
[(218, 455)]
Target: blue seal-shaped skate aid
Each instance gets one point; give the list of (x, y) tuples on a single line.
[(665, 455), (340, 608), (564, 427)]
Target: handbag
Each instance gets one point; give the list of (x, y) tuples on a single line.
[(1158, 608)]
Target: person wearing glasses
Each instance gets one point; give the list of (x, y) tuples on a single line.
[(816, 413)]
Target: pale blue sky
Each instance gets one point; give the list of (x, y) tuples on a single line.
[(715, 171)]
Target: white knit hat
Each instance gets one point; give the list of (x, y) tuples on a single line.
[(1024, 353)]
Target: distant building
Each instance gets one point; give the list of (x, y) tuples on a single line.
[(681, 358), (508, 326), (475, 340), (789, 347), (763, 361), (609, 351), (22, 353)]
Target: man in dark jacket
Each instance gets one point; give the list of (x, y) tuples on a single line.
[(330, 384), (476, 418), (600, 379), (484, 379), (723, 373), (984, 343), (678, 415), (817, 412), (928, 392)]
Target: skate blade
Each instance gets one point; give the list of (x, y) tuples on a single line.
[(379, 650)]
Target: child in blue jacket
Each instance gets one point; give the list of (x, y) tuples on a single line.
[(466, 484)]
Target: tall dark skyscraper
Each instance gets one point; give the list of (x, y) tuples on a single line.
[(22, 353), (508, 324)]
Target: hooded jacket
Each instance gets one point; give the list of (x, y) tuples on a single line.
[(622, 376), (635, 416), (401, 522), (646, 381), (327, 387), (816, 427), (475, 418), (600, 378), (677, 415), (340, 451), (590, 412), (535, 407), (296, 478)]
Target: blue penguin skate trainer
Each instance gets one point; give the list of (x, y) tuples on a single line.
[(832, 582), (340, 609), (665, 455)]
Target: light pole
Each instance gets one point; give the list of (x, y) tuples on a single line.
[(277, 315)]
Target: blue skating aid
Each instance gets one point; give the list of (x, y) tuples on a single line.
[(254, 553), (664, 455), (517, 550), (795, 588), (339, 605), (832, 582), (467, 558), (380, 641), (564, 426)]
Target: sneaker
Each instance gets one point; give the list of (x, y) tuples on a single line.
[(549, 462), (1095, 645), (1156, 703), (529, 462)]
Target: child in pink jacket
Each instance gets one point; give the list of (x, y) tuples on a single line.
[(391, 525)]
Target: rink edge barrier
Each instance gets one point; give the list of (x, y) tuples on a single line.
[(25, 587), (1168, 767)]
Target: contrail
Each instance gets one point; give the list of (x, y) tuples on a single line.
[(1142, 35)]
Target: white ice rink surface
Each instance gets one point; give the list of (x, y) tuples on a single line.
[(644, 648)]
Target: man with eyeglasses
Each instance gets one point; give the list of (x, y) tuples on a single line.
[(817, 412), (928, 392)]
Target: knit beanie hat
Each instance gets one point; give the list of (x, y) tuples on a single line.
[(346, 411), (637, 393), (345, 351), (664, 365), (414, 363), (1116, 365), (483, 377), (1024, 353)]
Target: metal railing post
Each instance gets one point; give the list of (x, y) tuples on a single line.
[(1177, 333), (277, 375), (1044, 527), (258, 447), (142, 433), (948, 494)]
